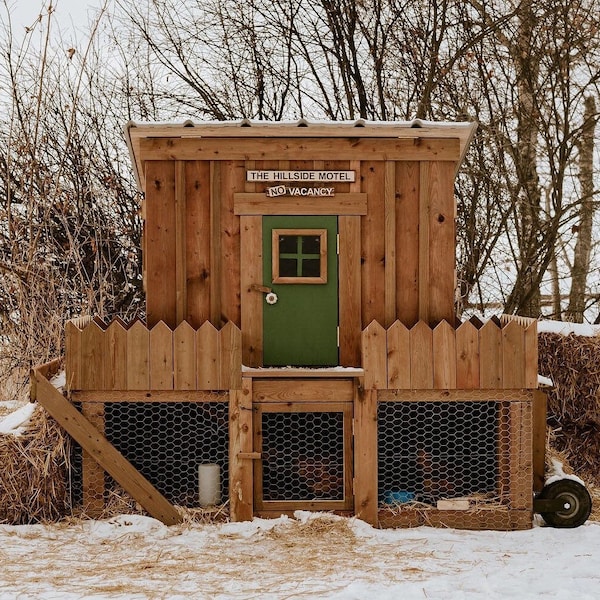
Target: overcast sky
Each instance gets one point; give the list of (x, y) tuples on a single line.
[(69, 13)]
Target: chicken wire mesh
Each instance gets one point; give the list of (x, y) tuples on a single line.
[(303, 456), (435, 451), (166, 442)]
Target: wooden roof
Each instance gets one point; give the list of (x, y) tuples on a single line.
[(416, 129)]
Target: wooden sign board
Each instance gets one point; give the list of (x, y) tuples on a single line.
[(302, 176)]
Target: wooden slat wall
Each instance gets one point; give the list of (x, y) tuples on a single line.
[(160, 239), (397, 263), (474, 356), (137, 358)]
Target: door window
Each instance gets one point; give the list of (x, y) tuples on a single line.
[(299, 256)]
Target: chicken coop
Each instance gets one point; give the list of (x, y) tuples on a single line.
[(300, 344)]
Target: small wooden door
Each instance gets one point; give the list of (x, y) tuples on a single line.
[(300, 265)]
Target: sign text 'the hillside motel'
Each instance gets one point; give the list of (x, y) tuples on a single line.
[(292, 177)]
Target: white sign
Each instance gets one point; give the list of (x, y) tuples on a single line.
[(302, 176), (282, 190)]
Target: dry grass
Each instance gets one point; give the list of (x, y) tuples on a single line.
[(573, 364), (33, 481)]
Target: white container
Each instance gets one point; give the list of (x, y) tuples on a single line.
[(209, 484)]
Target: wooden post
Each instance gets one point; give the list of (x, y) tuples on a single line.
[(540, 402), (241, 452), (365, 455), (92, 472), (521, 455)]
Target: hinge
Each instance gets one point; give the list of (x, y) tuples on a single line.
[(337, 243), (338, 336)]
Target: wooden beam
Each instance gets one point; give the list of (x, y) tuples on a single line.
[(299, 149), (104, 453), (248, 203)]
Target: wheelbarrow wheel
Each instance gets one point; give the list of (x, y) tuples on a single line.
[(576, 503)]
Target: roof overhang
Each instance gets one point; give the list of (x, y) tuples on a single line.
[(416, 129)]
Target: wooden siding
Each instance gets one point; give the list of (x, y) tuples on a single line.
[(471, 357), (202, 242), (135, 357)]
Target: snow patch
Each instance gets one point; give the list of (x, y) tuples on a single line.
[(565, 328), (16, 422), (556, 473)]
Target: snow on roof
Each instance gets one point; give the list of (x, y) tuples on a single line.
[(416, 128)]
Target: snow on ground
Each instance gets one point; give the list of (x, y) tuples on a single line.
[(311, 556)]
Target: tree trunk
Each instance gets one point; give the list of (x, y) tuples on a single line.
[(581, 259)]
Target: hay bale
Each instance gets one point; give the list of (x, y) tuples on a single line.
[(33, 476), (573, 364)]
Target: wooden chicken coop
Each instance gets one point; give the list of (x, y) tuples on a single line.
[(300, 334)]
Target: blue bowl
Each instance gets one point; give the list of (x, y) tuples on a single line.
[(397, 496)]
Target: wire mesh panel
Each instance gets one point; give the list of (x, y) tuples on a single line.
[(167, 442), (429, 451), (305, 456)]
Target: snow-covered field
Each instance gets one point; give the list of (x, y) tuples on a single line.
[(310, 556)]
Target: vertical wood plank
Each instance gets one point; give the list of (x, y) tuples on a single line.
[(197, 235), (374, 354), (365, 455), (442, 241), (390, 241), (424, 248), (444, 356), (180, 243), (92, 357), (251, 300), (467, 357), (116, 356), (161, 357), (215, 242), (230, 350), (531, 356), (138, 347), (407, 242), (207, 356), (160, 231), (72, 356), (93, 481), (398, 357), (184, 357), (421, 357), (513, 356), (349, 291), (233, 179), (490, 356), (373, 243), (241, 487)]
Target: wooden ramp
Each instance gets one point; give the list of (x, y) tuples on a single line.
[(101, 450)]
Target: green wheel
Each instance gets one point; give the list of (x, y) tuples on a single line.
[(575, 500)]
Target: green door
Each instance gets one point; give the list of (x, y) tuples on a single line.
[(300, 266)]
